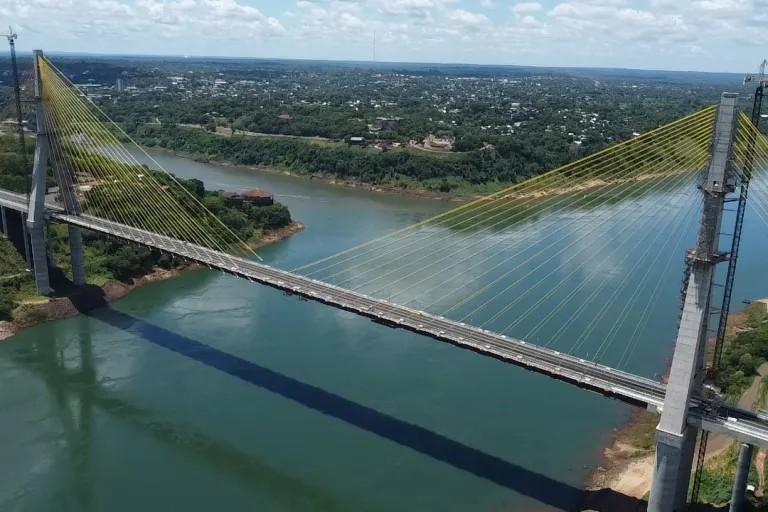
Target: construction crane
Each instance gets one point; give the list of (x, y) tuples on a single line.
[(12, 36), (761, 79)]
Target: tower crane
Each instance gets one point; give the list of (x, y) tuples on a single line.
[(12, 36), (761, 79)]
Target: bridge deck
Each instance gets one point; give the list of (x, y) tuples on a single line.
[(640, 391)]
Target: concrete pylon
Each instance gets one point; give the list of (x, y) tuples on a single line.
[(36, 217), (675, 440), (742, 474)]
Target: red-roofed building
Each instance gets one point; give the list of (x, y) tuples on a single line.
[(256, 197)]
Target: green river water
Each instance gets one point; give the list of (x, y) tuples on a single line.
[(211, 393)]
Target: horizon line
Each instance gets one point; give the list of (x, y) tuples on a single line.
[(375, 63)]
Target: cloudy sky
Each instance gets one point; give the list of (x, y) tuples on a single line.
[(710, 35)]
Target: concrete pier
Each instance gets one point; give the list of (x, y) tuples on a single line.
[(742, 474), (27, 243), (4, 220)]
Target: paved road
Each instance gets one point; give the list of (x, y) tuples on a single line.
[(640, 391)]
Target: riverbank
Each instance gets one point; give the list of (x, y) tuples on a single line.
[(37, 311), (627, 464), (462, 195), (421, 192)]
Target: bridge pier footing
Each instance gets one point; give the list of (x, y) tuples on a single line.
[(687, 456), (77, 255), (740, 483), (674, 459)]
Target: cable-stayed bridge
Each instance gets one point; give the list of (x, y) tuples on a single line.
[(457, 277)]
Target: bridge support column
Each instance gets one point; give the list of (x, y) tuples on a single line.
[(740, 483), (36, 219), (4, 220), (675, 440), (77, 256), (27, 241)]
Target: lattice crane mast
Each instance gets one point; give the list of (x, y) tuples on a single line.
[(761, 79), (12, 36)]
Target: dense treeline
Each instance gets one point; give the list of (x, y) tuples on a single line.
[(513, 161)]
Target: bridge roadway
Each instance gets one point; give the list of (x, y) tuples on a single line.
[(744, 425)]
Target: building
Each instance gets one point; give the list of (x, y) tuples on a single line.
[(254, 197), (439, 143), (119, 85), (385, 123)]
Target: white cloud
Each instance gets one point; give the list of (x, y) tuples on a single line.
[(646, 33), (467, 19), (721, 5), (527, 7)]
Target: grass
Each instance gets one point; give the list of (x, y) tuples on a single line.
[(717, 477)]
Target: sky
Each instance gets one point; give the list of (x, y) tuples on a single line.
[(704, 35)]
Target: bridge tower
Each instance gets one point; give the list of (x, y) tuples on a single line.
[(36, 221), (36, 212), (675, 439)]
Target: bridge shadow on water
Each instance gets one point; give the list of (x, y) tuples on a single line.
[(547, 490)]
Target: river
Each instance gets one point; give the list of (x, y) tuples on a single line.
[(211, 393)]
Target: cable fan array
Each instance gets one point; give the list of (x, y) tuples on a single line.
[(575, 258), (99, 176)]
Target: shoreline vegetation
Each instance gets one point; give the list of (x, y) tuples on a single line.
[(626, 465), (421, 173)]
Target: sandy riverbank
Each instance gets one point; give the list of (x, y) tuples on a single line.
[(627, 464), (49, 309)]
